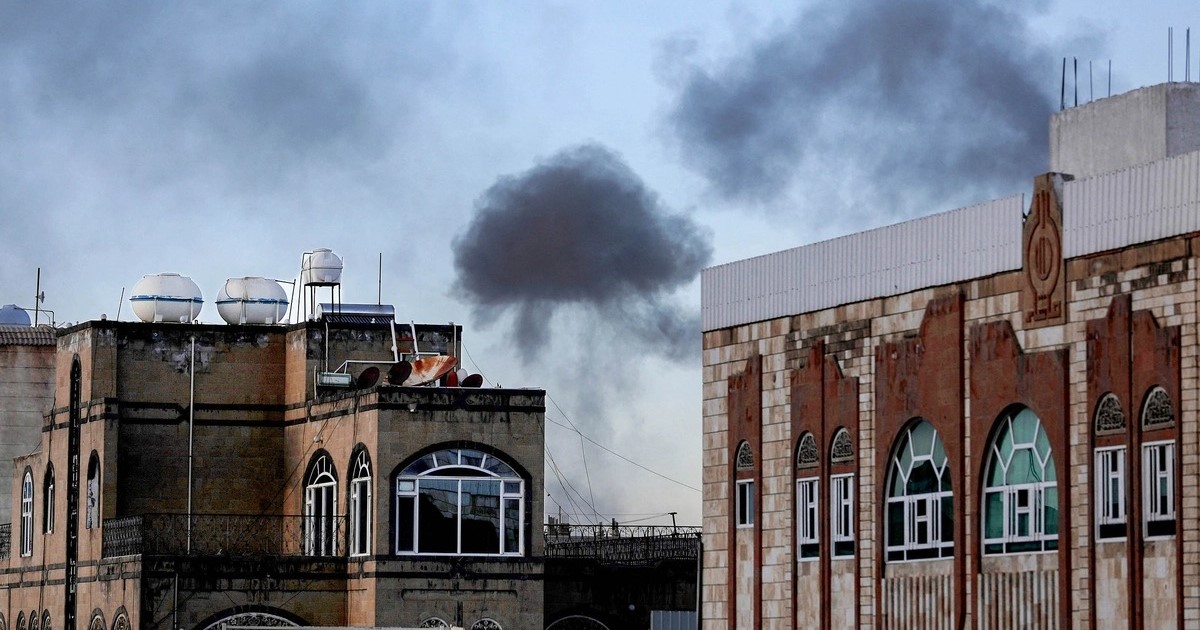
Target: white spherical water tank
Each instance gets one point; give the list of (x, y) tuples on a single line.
[(13, 315), (252, 301), (322, 267), (166, 297)]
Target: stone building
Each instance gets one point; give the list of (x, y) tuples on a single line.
[(368, 505), (983, 418), (201, 476)]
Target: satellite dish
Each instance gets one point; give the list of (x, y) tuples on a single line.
[(399, 373), (473, 381), (368, 378)]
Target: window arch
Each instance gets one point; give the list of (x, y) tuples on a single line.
[(48, 500), (486, 623), (361, 492), (434, 622), (920, 504), (1157, 413), (46, 620), (806, 451), (121, 620), (577, 622), (33, 620), (97, 622), (841, 451), (320, 507), (1110, 418), (745, 456), (459, 501), (27, 514), (20, 621), (1020, 497), (92, 508)]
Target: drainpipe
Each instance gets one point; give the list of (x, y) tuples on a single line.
[(191, 436)]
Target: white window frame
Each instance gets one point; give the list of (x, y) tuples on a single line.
[(27, 514), (745, 503), (475, 466), (1111, 477), (320, 509), (920, 510), (1158, 464), (1020, 501), (808, 521), (841, 512), (361, 506)]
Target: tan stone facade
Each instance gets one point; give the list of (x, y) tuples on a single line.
[(122, 397)]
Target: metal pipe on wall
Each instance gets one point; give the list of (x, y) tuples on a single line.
[(191, 436)]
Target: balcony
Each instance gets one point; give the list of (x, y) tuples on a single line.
[(622, 545), (229, 535)]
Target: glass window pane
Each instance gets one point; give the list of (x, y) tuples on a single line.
[(895, 514), (1050, 514), (472, 458), (512, 525), (437, 516), (922, 438), (404, 523), (923, 479), (947, 519), (993, 515), (480, 516), (1023, 469), (1024, 426)]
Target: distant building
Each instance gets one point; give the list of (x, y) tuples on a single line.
[(201, 476), (983, 418)]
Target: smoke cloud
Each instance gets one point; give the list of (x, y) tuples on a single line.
[(932, 101), (581, 233)]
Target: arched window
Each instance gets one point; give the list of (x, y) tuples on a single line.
[(320, 507), (486, 624), (121, 620), (745, 456), (33, 620), (20, 621), (920, 504), (1158, 466), (841, 496), (46, 620), (48, 500), (360, 504), (1109, 469), (434, 622), (1020, 499), (97, 622), (92, 509), (27, 515), (459, 501)]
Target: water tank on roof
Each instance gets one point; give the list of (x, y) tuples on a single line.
[(252, 301), (322, 266), (13, 315), (166, 297)]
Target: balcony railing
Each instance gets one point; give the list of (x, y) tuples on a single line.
[(622, 544), (234, 535)]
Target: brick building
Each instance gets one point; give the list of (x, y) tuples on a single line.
[(983, 418)]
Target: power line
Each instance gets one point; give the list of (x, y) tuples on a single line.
[(626, 459)]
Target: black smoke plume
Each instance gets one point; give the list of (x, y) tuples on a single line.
[(932, 101), (580, 232)]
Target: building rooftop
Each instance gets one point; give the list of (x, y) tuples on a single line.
[(27, 335)]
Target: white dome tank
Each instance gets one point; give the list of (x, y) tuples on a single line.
[(322, 266), (13, 315), (252, 301), (166, 297)]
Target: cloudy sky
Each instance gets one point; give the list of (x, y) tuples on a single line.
[(551, 175)]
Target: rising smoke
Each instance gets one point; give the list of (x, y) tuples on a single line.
[(580, 232), (933, 101)]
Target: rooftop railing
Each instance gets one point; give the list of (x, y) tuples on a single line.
[(627, 545), (234, 535)]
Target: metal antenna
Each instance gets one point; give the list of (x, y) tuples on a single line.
[(1091, 86), (1075, 61), (1110, 77), (1062, 88), (1170, 61), (1187, 54)]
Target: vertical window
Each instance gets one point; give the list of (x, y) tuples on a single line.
[(320, 508), (841, 512), (92, 509), (745, 504), (807, 528), (360, 505), (27, 514), (1020, 500), (460, 501), (1158, 488), (48, 500), (920, 504), (1110, 492)]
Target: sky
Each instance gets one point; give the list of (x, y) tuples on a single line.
[(553, 176)]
